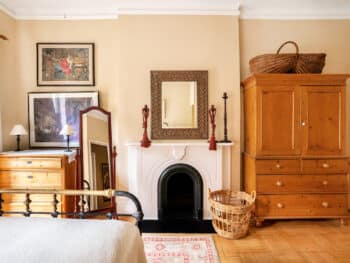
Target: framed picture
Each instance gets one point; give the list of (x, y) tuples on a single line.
[(49, 112), (65, 64)]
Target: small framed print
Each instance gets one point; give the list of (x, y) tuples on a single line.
[(49, 112), (65, 64)]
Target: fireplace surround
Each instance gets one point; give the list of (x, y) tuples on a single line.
[(147, 167)]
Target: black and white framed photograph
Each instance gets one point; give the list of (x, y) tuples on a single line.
[(50, 112)]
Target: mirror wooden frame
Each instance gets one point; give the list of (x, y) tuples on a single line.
[(201, 132), (80, 156)]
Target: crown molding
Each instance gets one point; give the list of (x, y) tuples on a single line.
[(68, 17), (134, 11), (293, 14), (184, 7), (159, 7)]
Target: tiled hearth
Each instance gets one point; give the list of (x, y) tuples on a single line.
[(146, 165)]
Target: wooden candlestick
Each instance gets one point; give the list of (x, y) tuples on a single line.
[(225, 97), (212, 142), (145, 142)]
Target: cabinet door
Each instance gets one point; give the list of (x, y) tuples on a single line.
[(278, 121), (323, 120)]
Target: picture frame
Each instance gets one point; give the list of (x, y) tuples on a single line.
[(65, 64), (49, 111)]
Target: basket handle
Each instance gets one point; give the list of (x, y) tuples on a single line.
[(289, 42), (253, 195)]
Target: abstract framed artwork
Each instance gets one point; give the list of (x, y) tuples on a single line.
[(49, 112), (65, 64)]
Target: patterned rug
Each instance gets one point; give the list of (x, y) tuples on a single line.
[(177, 248)]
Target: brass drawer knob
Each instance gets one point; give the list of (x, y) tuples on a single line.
[(325, 165), (279, 183), (325, 204), (278, 166), (325, 182), (280, 205)]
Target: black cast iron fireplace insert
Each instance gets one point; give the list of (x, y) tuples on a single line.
[(180, 194), (180, 202)]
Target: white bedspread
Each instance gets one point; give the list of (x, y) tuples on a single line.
[(36, 240)]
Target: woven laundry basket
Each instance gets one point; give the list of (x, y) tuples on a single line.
[(288, 63), (231, 212)]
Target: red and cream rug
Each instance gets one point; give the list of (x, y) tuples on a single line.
[(177, 248)]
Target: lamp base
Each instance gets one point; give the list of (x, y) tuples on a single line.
[(18, 139)]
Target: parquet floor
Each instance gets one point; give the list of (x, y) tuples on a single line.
[(296, 241)]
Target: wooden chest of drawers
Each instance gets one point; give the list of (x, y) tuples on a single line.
[(298, 187), (37, 170)]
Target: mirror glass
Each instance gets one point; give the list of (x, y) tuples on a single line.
[(96, 156), (179, 104)]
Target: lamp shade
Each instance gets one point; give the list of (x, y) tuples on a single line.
[(18, 129), (67, 130)]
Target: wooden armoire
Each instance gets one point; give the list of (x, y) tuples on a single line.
[(295, 154)]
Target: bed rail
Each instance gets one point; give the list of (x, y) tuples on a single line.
[(81, 213)]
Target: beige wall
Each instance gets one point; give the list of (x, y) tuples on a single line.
[(313, 36), (175, 43), (127, 49), (8, 79)]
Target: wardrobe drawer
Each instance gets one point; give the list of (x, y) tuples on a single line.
[(325, 166), (8, 163), (278, 166), (23, 179), (274, 184), (302, 205), (39, 163)]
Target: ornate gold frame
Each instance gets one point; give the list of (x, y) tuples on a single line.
[(201, 77)]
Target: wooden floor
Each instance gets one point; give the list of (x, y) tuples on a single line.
[(289, 241)]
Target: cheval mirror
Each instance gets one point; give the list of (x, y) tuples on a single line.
[(97, 159)]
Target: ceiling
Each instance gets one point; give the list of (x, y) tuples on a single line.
[(108, 9)]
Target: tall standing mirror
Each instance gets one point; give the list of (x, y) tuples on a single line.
[(96, 156), (179, 104)]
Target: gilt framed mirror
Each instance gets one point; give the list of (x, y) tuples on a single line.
[(179, 104), (96, 156)]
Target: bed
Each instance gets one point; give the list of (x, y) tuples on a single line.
[(36, 240)]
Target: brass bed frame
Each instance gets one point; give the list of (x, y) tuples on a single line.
[(80, 211)]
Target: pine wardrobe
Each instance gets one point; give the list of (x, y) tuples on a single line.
[(296, 148)]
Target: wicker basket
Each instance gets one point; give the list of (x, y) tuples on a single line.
[(288, 63), (231, 212)]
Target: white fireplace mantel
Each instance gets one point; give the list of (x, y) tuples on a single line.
[(145, 166)]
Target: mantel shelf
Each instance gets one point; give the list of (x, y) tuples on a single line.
[(181, 143)]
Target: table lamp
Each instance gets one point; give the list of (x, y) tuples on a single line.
[(18, 130), (67, 130)]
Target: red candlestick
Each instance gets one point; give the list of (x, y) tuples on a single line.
[(145, 141), (212, 142)]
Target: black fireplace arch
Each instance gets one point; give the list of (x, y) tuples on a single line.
[(180, 193)]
